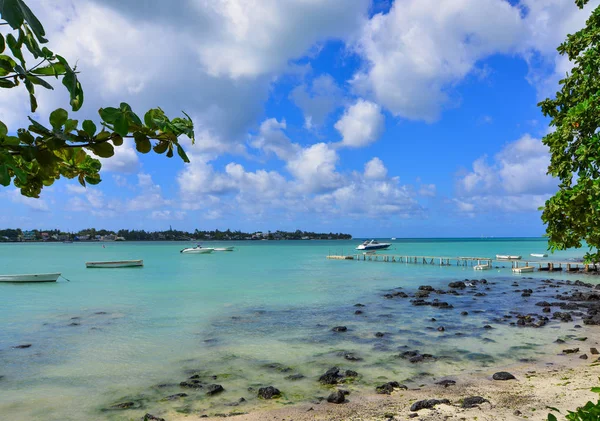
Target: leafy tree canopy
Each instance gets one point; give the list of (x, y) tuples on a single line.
[(40, 154), (572, 215)]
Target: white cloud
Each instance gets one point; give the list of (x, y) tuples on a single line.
[(125, 160), (375, 170), (427, 190), (361, 124), (317, 100), (149, 197), (167, 215), (314, 168), (15, 196), (272, 139), (420, 49)]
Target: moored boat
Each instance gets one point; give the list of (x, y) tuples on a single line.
[(538, 255), (33, 277), (115, 264), (482, 267), (373, 245), (197, 250), (507, 257)]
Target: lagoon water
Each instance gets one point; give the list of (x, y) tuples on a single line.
[(251, 317)]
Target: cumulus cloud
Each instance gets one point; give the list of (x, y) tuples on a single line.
[(515, 180), (15, 196), (314, 168), (361, 124), (317, 99), (375, 170), (272, 139), (125, 160)]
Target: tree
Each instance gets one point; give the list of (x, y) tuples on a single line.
[(572, 215), (39, 155)]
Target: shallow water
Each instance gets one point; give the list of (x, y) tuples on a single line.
[(115, 335)]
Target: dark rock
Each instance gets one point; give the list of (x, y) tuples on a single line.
[(268, 392), (473, 401), (422, 294), (413, 415), (294, 377), (571, 351), (503, 375), (559, 341), (22, 346), (194, 384), (546, 309), (446, 383), (339, 329), (564, 317), (236, 403), (487, 327), (441, 329), (543, 304), (359, 305), (351, 373), (583, 357), (480, 294), (150, 417), (331, 376), (176, 396), (426, 288), (351, 357), (594, 351), (126, 405), (213, 389), (400, 294), (577, 326), (337, 397), (458, 285), (428, 404), (358, 312), (379, 335), (464, 313), (388, 388)]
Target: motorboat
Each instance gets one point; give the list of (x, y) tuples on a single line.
[(115, 264), (373, 245), (393, 238), (229, 248), (485, 266), (507, 257), (523, 269), (538, 255), (197, 250), (34, 277)]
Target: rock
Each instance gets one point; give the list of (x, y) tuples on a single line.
[(351, 373), (458, 285), (517, 413), (428, 404), (400, 294), (571, 351), (339, 329), (125, 405), (422, 294), (546, 309), (358, 312), (150, 417), (446, 383), (464, 313), (22, 346), (480, 294), (413, 415), (559, 341), (503, 375), (213, 389), (487, 327), (359, 305), (426, 288), (594, 351), (379, 334), (473, 401), (268, 392), (294, 377), (331, 376), (563, 316), (351, 357), (176, 396), (543, 304), (584, 357), (337, 397), (388, 388), (236, 403), (441, 329), (192, 384)]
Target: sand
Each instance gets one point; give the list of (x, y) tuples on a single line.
[(563, 383)]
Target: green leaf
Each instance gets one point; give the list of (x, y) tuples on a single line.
[(3, 129), (4, 175), (149, 121), (39, 81), (595, 389), (142, 144), (14, 12), (551, 417), (89, 127), (5, 83), (15, 48), (182, 154), (39, 128), (109, 114), (117, 140), (161, 147), (70, 125), (121, 125), (58, 117), (103, 135), (2, 43), (103, 150), (54, 69), (32, 102), (31, 43)]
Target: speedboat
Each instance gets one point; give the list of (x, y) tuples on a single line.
[(34, 277), (115, 264), (229, 248), (197, 250), (373, 245), (538, 255), (507, 257)]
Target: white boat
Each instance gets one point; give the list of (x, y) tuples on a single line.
[(393, 238), (230, 248), (197, 250), (482, 267), (115, 264), (34, 277), (523, 269), (538, 255), (373, 245), (507, 257)]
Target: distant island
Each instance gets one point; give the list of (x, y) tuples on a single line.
[(92, 234)]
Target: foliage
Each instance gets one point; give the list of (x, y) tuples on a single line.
[(589, 412), (39, 155), (572, 215)]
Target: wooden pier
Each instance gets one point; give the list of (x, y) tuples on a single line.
[(518, 266)]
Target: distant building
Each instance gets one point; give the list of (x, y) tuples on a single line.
[(29, 236)]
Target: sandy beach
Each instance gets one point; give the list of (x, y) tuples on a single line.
[(563, 383)]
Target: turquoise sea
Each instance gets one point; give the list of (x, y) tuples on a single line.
[(250, 317)]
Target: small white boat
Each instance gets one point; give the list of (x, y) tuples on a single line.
[(197, 250), (523, 269), (230, 248), (373, 245), (33, 277), (507, 257), (482, 267), (115, 264), (538, 255), (393, 238)]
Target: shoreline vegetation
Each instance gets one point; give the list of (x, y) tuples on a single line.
[(92, 234)]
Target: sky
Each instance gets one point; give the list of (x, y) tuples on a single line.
[(406, 118)]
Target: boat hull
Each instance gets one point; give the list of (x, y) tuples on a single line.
[(538, 255), (34, 277), (482, 267), (376, 247), (115, 264), (197, 251), (507, 257)]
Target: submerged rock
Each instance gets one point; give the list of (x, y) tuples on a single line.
[(340, 329), (213, 389), (428, 404), (268, 392), (331, 376), (150, 417), (571, 351), (337, 397), (175, 396), (503, 375), (446, 383), (294, 377), (473, 401), (22, 346), (457, 284), (351, 373), (388, 388), (379, 334)]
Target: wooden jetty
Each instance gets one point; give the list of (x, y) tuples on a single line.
[(518, 266)]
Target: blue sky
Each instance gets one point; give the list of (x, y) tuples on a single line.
[(413, 118)]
